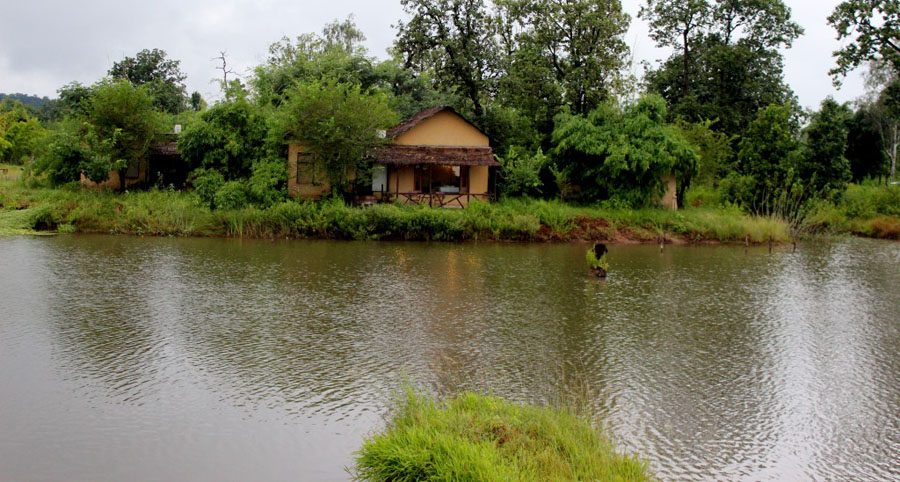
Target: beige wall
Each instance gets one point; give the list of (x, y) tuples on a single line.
[(113, 181), (670, 197), (443, 129), (305, 191)]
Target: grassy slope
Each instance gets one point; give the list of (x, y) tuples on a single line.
[(181, 214), (472, 437)]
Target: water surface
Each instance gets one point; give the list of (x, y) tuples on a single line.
[(125, 358)]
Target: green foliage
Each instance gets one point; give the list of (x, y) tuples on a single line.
[(231, 195), (769, 152), (206, 183), (521, 173), (119, 126), (871, 201), (475, 437), (865, 147), (713, 149), (268, 184), (229, 137), (338, 123), (162, 77), (585, 69), (622, 153), (876, 28), (455, 39), (726, 60), (20, 133), (594, 263), (824, 164), (109, 129)]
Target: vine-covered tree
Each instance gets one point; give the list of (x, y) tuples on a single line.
[(622, 154)]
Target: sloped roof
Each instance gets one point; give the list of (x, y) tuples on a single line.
[(451, 156), (406, 125)]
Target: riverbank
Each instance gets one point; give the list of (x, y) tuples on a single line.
[(175, 213), (170, 213), (476, 437)]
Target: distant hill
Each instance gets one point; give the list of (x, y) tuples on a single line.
[(29, 100)]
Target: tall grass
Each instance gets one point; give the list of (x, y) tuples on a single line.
[(170, 213), (483, 438)]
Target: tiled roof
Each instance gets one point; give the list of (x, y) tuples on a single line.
[(451, 156)]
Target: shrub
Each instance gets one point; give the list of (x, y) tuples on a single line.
[(268, 183), (206, 183), (521, 173), (232, 195)]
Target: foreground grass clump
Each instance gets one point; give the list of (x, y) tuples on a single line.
[(473, 437)]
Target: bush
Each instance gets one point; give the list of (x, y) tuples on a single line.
[(232, 195), (268, 184), (206, 183), (475, 437), (521, 173), (871, 201)]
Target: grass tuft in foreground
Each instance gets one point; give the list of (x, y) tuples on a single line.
[(473, 437)]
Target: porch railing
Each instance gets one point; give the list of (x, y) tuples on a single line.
[(437, 199)]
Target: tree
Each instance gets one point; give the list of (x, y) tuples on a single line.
[(865, 149), (229, 137), (456, 40), (336, 53), (883, 102), (622, 154), (20, 132), (108, 130), (727, 63), (579, 42), (119, 126), (339, 123), (876, 27), (769, 151), (163, 77), (677, 24), (825, 165)]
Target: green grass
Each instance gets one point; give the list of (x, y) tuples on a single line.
[(171, 213), (473, 437), (12, 173)]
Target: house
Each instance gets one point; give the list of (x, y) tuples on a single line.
[(435, 157), (162, 165)]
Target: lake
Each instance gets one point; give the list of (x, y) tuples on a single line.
[(142, 359)]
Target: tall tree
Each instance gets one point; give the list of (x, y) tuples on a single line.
[(825, 163), (727, 64), (162, 75), (873, 26), (677, 24), (455, 39), (579, 42)]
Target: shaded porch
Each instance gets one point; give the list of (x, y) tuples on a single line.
[(439, 176)]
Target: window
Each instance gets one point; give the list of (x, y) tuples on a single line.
[(306, 168)]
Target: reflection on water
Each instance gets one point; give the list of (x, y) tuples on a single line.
[(203, 359)]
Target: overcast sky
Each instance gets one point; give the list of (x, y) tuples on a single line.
[(45, 44)]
